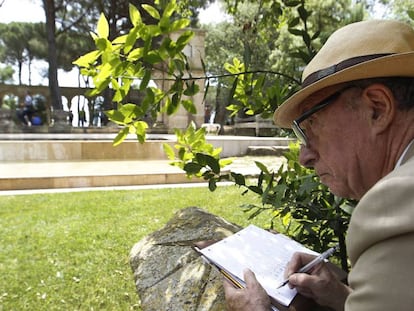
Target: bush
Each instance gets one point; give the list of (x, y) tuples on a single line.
[(305, 208), (293, 196)]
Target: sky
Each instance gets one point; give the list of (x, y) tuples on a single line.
[(32, 11)]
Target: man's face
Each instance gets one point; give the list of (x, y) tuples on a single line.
[(340, 145)]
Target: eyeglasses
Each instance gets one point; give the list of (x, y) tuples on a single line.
[(299, 132)]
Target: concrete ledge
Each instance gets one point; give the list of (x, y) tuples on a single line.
[(66, 162), (49, 175), (80, 150), (76, 148), (93, 181)]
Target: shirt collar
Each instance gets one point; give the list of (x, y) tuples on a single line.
[(400, 160)]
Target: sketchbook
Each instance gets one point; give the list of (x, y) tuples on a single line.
[(263, 252)]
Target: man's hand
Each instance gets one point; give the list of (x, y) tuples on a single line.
[(251, 298), (321, 284)]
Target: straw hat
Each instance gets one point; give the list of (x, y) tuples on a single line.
[(368, 49)]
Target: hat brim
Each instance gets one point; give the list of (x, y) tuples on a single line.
[(396, 65)]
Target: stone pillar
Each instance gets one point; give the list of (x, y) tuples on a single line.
[(59, 121), (6, 120)]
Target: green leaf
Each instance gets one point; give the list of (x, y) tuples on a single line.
[(164, 24), (153, 57), (170, 8), (134, 15), (206, 91), (306, 38), (294, 22), (103, 44), (255, 189), (153, 30), (262, 167), (239, 179), (169, 151), (87, 59), (316, 35), (172, 106), (189, 106), (303, 13), (233, 89), (120, 40), (151, 11), (213, 164), (103, 27), (212, 185), (292, 3), (130, 111), (135, 54), (192, 89), (192, 168), (179, 24), (225, 162), (201, 158), (411, 14), (105, 72), (130, 40), (121, 136), (145, 80), (184, 39), (140, 130), (115, 116), (296, 32), (141, 127)]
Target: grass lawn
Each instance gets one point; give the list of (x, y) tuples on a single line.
[(69, 251)]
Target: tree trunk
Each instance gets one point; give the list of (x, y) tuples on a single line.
[(49, 6), (20, 72), (220, 116), (30, 71)]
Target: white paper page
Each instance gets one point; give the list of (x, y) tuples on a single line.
[(265, 253)]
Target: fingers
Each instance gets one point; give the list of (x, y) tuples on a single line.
[(253, 297), (249, 279), (297, 261)]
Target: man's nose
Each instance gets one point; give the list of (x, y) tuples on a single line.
[(307, 156)]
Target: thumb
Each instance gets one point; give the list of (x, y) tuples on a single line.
[(249, 277)]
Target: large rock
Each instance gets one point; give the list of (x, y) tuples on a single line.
[(169, 274)]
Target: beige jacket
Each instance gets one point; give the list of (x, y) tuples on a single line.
[(380, 244)]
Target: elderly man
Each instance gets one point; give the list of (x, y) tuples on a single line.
[(355, 119)]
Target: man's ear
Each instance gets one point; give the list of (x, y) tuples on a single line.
[(382, 106)]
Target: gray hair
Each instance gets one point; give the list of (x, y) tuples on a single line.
[(401, 87)]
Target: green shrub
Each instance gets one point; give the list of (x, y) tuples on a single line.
[(293, 196), (305, 208)]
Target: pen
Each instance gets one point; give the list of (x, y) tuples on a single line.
[(306, 268)]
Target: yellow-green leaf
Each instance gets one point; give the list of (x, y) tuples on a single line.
[(87, 59), (169, 151), (180, 24), (171, 7), (120, 40), (121, 136), (134, 15), (151, 11), (103, 27)]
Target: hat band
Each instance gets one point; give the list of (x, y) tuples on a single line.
[(323, 73)]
